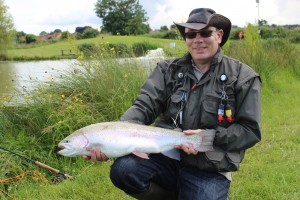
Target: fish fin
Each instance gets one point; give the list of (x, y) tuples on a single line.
[(173, 153), (207, 139), (141, 155), (204, 148)]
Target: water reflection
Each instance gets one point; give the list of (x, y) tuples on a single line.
[(7, 78), (20, 76)]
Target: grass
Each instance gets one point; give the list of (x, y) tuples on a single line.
[(271, 169), (53, 51), (102, 90)]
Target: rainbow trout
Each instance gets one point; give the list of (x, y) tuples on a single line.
[(116, 139)]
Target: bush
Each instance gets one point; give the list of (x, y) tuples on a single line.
[(65, 35), (3, 56), (140, 48), (105, 50), (89, 33), (265, 56), (172, 34), (30, 38), (120, 49), (87, 49), (295, 39)]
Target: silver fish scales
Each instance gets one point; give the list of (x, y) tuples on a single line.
[(116, 139)]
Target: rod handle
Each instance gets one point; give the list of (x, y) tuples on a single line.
[(47, 167)]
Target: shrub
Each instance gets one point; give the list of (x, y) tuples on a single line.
[(172, 34), (89, 33), (30, 38), (140, 48), (87, 49), (104, 50), (120, 49)]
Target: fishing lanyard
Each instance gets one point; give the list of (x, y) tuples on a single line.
[(179, 114), (224, 107)]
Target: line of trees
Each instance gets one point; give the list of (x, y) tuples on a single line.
[(7, 29)]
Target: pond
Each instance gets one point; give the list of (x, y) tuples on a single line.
[(18, 77)]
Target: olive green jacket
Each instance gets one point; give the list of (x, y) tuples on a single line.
[(172, 96)]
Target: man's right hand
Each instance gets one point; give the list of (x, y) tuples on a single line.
[(96, 155)]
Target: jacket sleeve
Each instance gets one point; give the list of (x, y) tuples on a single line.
[(245, 132), (149, 103)]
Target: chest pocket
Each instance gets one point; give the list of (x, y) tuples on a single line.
[(209, 114), (173, 105), (212, 99)]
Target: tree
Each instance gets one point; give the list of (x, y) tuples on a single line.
[(7, 30), (124, 17), (262, 22), (20, 37), (30, 38), (43, 33), (81, 29), (90, 33), (65, 35), (164, 28)]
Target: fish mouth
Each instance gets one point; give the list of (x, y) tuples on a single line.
[(65, 150), (62, 150)]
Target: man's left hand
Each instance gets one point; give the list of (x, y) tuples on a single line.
[(189, 149)]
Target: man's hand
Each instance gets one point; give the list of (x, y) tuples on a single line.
[(189, 149), (96, 155)]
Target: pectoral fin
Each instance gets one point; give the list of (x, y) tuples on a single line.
[(141, 155), (173, 153)]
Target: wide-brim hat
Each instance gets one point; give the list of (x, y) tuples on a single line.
[(201, 18)]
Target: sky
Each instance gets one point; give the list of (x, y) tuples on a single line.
[(35, 16)]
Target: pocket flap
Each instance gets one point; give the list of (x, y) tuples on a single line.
[(210, 106), (215, 155), (234, 157)]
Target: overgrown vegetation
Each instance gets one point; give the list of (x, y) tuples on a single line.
[(102, 88)]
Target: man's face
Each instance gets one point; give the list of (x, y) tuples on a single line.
[(204, 45)]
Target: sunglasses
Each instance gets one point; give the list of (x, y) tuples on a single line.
[(203, 33)]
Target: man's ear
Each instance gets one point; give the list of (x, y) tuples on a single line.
[(220, 35)]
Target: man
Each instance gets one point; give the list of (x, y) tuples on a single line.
[(202, 91)]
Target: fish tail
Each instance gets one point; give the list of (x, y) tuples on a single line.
[(204, 141)]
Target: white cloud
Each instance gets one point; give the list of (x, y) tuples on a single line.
[(34, 16), (240, 12)]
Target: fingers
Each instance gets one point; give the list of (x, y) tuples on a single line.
[(192, 132), (189, 150), (95, 155), (86, 157)]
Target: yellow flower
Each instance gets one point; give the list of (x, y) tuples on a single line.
[(76, 99), (63, 96), (70, 107)]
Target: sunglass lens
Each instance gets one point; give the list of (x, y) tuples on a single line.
[(206, 33), (203, 33), (190, 35)]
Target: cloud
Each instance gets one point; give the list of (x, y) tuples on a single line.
[(35, 16)]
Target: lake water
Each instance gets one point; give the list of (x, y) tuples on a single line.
[(23, 76), (19, 76)]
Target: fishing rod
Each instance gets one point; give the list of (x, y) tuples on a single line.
[(61, 174)]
